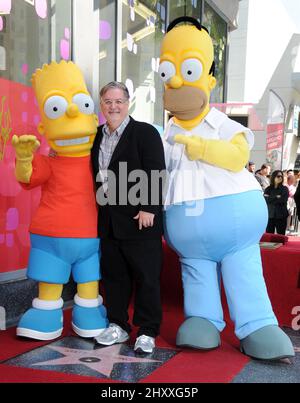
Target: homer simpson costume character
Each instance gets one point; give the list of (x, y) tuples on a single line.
[(63, 231), (215, 221)]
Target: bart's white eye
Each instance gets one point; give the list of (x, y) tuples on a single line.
[(84, 103), (191, 70), (55, 107), (166, 71)]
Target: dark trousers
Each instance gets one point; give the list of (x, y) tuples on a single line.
[(123, 264), (278, 224)]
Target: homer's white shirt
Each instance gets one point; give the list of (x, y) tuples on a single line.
[(197, 180)]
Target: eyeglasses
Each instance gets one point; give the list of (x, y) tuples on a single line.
[(110, 102), (279, 176)]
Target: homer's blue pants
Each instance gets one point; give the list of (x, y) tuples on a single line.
[(226, 231)]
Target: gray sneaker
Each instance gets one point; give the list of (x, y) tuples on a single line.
[(144, 344), (112, 335)]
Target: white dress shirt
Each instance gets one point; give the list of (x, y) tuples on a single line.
[(197, 180)]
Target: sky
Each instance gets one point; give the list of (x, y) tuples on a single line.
[(293, 7)]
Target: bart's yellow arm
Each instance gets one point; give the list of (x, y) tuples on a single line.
[(25, 147), (231, 155)]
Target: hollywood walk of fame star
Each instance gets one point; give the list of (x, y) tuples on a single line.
[(101, 360)]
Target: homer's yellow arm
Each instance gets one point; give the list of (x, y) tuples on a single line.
[(25, 147), (231, 155)]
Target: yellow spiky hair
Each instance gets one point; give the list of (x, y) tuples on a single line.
[(56, 76)]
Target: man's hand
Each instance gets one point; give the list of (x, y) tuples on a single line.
[(145, 219), (25, 146), (194, 145)]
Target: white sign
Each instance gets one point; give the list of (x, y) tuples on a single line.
[(275, 131), (2, 318), (2, 58), (296, 119)]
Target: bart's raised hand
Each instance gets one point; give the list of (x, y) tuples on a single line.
[(25, 146), (194, 146)]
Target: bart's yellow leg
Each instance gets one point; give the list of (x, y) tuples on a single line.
[(88, 290), (50, 292)]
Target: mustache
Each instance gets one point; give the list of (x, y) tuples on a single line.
[(185, 102)]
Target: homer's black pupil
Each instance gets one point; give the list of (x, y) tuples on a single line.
[(87, 105), (163, 74), (189, 72), (55, 109)]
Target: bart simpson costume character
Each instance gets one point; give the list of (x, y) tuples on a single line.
[(215, 212), (63, 231)]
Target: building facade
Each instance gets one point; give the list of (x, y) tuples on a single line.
[(109, 40), (264, 78)]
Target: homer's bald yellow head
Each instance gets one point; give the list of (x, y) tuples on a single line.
[(187, 70), (67, 109)]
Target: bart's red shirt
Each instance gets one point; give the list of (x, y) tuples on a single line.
[(68, 205)]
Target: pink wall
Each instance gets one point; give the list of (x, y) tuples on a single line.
[(18, 115)]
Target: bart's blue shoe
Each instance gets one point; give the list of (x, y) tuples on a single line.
[(89, 317), (42, 322), (268, 343), (198, 333)]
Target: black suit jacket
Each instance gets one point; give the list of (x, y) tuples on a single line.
[(140, 148)]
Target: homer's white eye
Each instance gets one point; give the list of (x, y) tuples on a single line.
[(84, 103), (55, 107), (166, 71), (191, 70)]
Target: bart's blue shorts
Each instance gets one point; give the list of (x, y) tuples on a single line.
[(53, 259)]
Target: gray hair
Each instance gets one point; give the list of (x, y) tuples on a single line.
[(115, 85)]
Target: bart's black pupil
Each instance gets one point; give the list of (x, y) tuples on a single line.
[(55, 109), (163, 75), (189, 72), (87, 105)]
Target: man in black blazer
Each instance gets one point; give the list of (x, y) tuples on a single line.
[(126, 156)]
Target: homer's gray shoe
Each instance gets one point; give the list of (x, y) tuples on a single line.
[(268, 343), (198, 333), (112, 335), (144, 344)]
